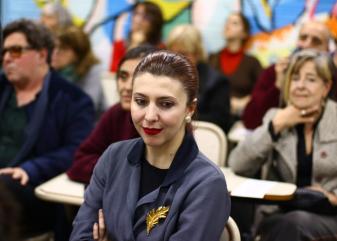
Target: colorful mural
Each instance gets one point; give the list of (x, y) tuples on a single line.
[(275, 23)]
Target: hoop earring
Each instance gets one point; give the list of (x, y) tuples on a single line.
[(188, 119)]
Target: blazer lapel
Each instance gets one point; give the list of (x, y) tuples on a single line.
[(134, 158), (6, 93), (33, 127), (133, 190), (148, 198)]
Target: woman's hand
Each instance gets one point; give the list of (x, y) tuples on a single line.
[(331, 196), (291, 116), (99, 230)]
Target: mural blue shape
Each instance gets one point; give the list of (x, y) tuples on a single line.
[(114, 9), (284, 12)]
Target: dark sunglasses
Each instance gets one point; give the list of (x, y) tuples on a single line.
[(15, 51)]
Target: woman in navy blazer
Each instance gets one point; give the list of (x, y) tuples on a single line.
[(159, 186)]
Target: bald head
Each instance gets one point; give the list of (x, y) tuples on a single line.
[(314, 35)]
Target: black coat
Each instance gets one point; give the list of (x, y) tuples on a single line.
[(213, 99)]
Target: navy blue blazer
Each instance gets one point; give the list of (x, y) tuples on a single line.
[(194, 189), (63, 115)]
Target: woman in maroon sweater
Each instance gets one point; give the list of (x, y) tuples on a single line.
[(115, 124)]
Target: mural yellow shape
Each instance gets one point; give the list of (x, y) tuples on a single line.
[(266, 8), (41, 3), (170, 8)]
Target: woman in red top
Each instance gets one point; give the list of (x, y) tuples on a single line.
[(241, 69), (147, 22)]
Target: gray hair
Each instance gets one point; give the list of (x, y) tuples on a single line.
[(321, 60), (62, 14)]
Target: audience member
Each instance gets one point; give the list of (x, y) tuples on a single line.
[(241, 69), (266, 93), (43, 119), (115, 124), (55, 17), (159, 186), (146, 28), (298, 144), (213, 96), (74, 59)]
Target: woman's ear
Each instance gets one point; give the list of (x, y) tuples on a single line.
[(327, 89), (192, 107)]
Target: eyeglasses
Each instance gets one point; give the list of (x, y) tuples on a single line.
[(314, 40), (15, 51)]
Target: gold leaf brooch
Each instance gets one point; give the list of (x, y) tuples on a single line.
[(152, 218)]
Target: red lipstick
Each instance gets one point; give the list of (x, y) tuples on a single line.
[(152, 131)]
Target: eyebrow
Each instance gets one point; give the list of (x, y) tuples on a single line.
[(159, 98), (311, 74), (306, 74), (122, 72), (172, 98)]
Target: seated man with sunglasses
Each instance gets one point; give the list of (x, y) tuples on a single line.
[(43, 120)]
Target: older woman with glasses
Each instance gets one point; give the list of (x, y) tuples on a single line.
[(299, 145)]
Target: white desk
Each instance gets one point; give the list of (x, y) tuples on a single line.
[(238, 132), (63, 190), (239, 186)]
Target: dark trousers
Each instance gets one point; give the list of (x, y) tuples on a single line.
[(243, 211), (37, 216), (298, 226)]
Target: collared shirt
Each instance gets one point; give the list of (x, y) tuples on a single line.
[(12, 129)]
